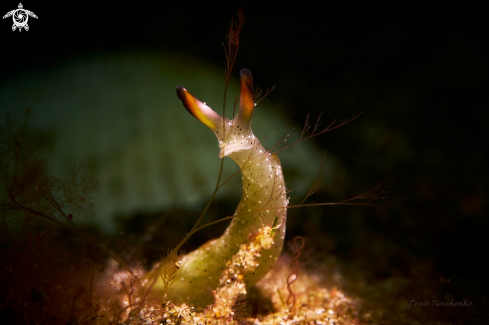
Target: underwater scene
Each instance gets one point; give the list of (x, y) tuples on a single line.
[(345, 182)]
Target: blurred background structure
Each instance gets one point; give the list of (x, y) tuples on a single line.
[(119, 114)]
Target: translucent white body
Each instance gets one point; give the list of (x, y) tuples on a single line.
[(263, 201)]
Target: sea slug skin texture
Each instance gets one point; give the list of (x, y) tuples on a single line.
[(264, 199)]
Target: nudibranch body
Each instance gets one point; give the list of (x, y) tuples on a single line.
[(263, 203)]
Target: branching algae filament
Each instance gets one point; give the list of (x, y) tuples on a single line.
[(263, 203)]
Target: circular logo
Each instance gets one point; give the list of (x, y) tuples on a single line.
[(20, 18)]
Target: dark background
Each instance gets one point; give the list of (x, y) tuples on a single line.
[(419, 74)]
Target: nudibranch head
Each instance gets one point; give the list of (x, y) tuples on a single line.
[(233, 134)]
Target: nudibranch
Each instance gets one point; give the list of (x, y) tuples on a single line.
[(263, 202)]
